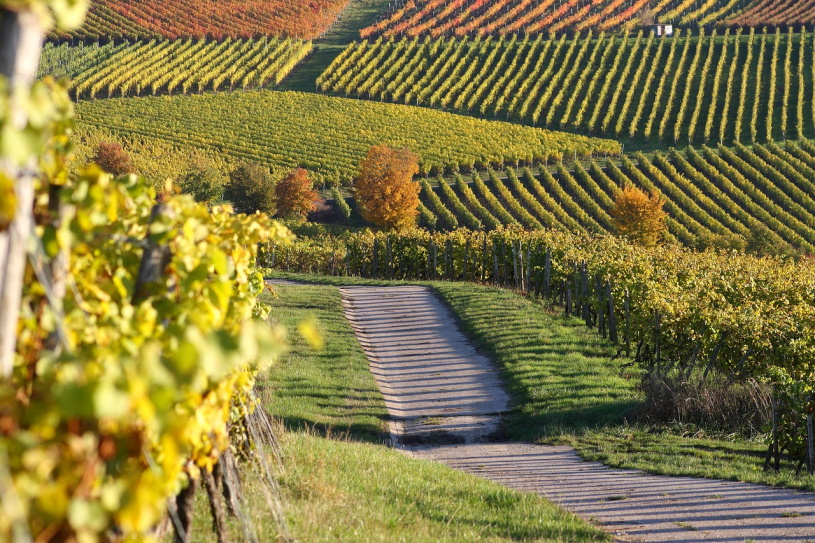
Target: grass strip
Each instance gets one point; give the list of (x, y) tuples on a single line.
[(337, 487), (567, 390)]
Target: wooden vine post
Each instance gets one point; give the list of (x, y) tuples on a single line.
[(21, 39)]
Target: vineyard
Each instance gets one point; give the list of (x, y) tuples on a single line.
[(172, 67), (675, 312), (173, 19), (329, 136), (729, 86), (712, 196), (436, 18)]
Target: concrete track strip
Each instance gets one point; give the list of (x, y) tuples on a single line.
[(445, 402)]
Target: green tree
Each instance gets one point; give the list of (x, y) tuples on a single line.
[(250, 189), (203, 181)]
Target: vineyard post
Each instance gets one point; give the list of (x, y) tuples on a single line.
[(810, 441), (584, 279), (375, 263), (601, 310), (495, 276), (448, 259), (504, 271), (389, 256), (529, 269), (483, 256), (612, 317), (515, 265), (347, 263), (333, 259), (547, 273), (21, 38), (466, 257), (577, 286), (627, 304), (568, 311), (154, 260), (656, 338), (776, 447), (435, 260)]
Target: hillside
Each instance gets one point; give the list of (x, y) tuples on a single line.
[(140, 19)]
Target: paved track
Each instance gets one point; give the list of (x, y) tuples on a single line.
[(445, 402)]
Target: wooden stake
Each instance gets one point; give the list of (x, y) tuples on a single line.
[(21, 38)]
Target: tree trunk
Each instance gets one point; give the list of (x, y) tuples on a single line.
[(21, 38)]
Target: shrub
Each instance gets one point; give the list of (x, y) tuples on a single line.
[(113, 159), (250, 189), (294, 195), (340, 204), (203, 181), (385, 191), (638, 216)]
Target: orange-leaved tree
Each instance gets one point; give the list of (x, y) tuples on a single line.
[(384, 189), (639, 216), (113, 159), (294, 195)]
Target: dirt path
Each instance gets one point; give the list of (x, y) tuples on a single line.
[(445, 401)]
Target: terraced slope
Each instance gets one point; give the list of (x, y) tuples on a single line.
[(713, 196), (725, 87)]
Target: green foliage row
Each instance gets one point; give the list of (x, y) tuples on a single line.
[(173, 66), (327, 136), (742, 317), (714, 197), (670, 91)]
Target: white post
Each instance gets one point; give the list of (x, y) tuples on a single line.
[(21, 38)]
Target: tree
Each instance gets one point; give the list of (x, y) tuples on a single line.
[(385, 191), (294, 195), (203, 181), (250, 189), (639, 216), (113, 159)]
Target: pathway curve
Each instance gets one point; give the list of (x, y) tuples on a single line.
[(445, 402)]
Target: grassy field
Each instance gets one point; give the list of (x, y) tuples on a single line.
[(339, 484), (566, 390)]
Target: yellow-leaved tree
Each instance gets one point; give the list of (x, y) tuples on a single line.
[(384, 189), (639, 216)]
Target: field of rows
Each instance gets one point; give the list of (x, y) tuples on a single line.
[(712, 195), (527, 17), (173, 67), (734, 86), (329, 136), (139, 19)]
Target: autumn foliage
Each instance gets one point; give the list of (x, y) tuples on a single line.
[(294, 195), (113, 159), (638, 216), (385, 191)]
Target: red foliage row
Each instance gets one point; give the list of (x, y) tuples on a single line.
[(175, 19), (482, 17), (777, 12), (485, 17)]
